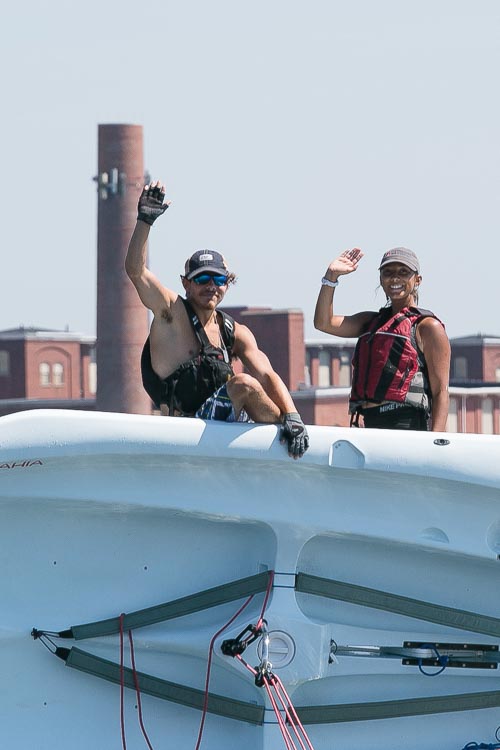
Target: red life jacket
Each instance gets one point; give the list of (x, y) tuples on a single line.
[(387, 363)]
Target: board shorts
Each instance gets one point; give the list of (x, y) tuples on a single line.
[(394, 416), (219, 406)]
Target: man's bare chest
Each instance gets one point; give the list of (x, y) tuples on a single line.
[(173, 344)]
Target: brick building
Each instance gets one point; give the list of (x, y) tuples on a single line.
[(476, 359), (42, 368), (45, 368)]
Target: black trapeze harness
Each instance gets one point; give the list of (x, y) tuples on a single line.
[(186, 389)]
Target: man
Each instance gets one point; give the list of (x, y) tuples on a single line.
[(186, 362)]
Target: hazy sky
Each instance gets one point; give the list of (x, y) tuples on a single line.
[(285, 131)]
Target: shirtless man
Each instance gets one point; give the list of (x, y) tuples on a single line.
[(186, 362)]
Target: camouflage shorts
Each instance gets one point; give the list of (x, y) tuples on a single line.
[(220, 407)]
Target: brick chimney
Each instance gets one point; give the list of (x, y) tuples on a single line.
[(122, 320)]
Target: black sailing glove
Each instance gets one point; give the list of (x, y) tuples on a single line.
[(151, 204), (295, 434)]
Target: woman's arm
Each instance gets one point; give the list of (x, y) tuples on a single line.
[(348, 326), (435, 346)]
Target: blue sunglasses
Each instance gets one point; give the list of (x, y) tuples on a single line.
[(204, 278)]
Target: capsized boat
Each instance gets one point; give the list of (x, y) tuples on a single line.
[(173, 582)]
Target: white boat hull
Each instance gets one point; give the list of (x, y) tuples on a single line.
[(104, 514)]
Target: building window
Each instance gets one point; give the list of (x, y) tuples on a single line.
[(92, 377), (57, 374), (44, 372), (460, 369), (452, 422), (307, 369), (487, 416), (344, 369), (324, 369), (4, 363), (497, 374)]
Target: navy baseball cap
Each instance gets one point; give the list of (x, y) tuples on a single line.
[(203, 261)]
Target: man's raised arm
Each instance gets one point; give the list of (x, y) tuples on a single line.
[(151, 205)]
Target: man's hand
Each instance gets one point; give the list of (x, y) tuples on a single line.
[(151, 203), (295, 434)]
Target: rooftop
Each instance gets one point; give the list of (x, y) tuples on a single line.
[(24, 333)]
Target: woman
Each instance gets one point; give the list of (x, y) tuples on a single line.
[(402, 358)]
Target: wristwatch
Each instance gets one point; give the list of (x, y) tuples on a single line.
[(327, 282)]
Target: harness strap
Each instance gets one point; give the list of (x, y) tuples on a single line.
[(164, 689), (435, 704), (186, 605), (254, 714), (304, 583), (402, 605), (227, 331), (196, 325)]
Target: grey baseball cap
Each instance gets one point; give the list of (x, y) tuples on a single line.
[(401, 255)]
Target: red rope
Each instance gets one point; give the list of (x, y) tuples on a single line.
[(266, 598), (209, 666), (122, 685), (272, 682), (207, 679), (291, 713), (211, 647), (285, 733), (138, 691)]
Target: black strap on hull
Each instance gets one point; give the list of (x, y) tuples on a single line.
[(435, 704), (170, 691), (254, 714), (227, 592), (401, 605)]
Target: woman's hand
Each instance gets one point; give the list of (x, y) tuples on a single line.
[(344, 264), (348, 326)]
